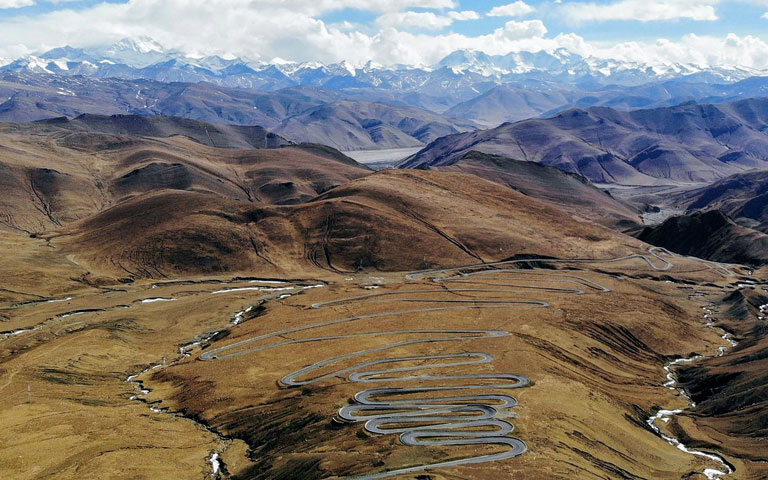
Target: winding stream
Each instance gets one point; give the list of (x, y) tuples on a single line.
[(724, 468)]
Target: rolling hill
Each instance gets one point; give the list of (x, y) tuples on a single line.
[(509, 104), (711, 235), (221, 136), (388, 221), (744, 197), (687, 143), (149, 196), (301, 113), (365, 126), (58, 172), (571, 192)]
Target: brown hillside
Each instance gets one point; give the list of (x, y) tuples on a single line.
[(59, 177), (569, 191), (391, 220)]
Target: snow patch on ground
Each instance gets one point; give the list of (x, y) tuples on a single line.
[(159, 299), (215, 464)]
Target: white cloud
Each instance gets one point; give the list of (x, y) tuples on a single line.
[(464, 15), (293, 31), (315, 7), (765, 15), (528, 29), (395, 46), (707, 51), (16, 3), (641, 10), (516, 9), (425, 20), (310, 7)]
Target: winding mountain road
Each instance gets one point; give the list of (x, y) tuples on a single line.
[(434, 409)]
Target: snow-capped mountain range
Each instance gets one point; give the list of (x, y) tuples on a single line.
[(334, 103), (473, 71)]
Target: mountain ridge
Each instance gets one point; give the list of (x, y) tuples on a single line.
[(36, 97), (688, 143), (711, 235), (144, 52)]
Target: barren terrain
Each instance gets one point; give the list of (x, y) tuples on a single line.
[(114, 372), (166, 311)]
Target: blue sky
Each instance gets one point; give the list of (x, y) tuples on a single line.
[(734, 17), (400, 31), (43, 6)]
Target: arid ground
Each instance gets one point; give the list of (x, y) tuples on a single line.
[(174, 310), (105, 379)]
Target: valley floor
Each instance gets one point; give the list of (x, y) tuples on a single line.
[(379, 159), (657, 197)]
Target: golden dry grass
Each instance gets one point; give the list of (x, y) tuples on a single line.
[(596, 359)]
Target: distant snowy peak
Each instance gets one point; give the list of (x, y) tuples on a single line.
[(556, 61), (30, 64), (465, 71), (217, 63), (69, 54), (141, 44), (47, 66), (471, 60), (135, 52), (562, 64), (294, 68), (137, 45)]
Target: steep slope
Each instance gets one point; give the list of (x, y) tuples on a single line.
[(391, 220), (508, 104), (570, 192), (55, 176), (730, 390), (36, 197), (363, 126), (304, 114), (272, 176), (221, 136), (744, 197), (36, 97), (710, 235), (686, 143)]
